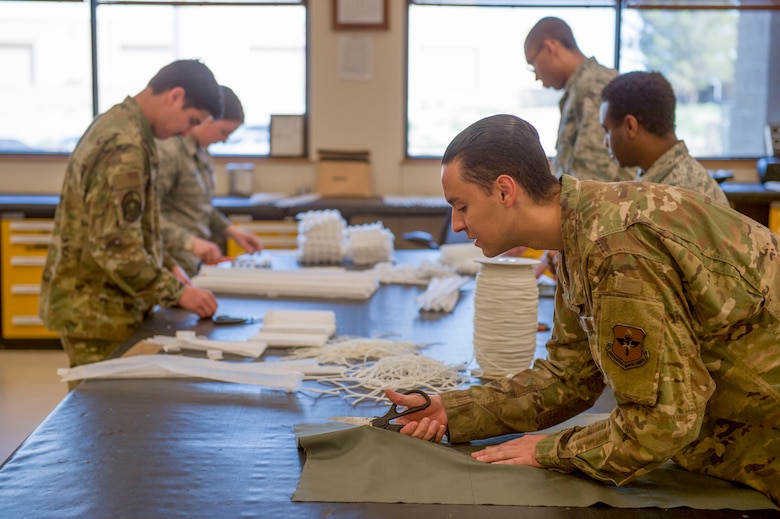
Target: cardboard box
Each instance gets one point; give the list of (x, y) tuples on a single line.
[(344, 174)]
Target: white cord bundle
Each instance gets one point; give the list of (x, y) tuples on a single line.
[(369, 243), (321, 237), (506, 307), (442, 294)]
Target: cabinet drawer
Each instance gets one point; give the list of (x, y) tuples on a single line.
[(20, 314), (25, 244)]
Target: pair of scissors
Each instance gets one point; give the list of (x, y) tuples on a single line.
[(384, 421)]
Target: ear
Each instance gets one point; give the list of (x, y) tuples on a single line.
[(632, 125), (175, 95), (506, 188)]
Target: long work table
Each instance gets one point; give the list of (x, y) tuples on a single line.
[(194, 448)]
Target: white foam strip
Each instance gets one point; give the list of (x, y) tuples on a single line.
[(300, 321), (164, 366), (323, 283)]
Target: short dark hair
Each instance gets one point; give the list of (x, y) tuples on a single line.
[(648, 96), (232, 109), (503, 144), (201, 88), (552, 28)]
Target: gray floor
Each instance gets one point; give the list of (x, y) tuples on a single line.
[(29, 389)]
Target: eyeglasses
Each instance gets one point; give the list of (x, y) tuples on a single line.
[(532, 61)]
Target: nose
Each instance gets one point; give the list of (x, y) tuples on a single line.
[(457, 222)]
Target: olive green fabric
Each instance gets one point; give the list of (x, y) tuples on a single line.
[(366, 464)]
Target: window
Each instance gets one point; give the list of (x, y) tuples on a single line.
[(466, 62), (257, 49)]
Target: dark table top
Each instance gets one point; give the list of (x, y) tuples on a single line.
[(194, 448), (43, 206)]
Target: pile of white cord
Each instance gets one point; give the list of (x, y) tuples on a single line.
[(348, 350), (375, 364), (321, 239), (506, 305), (400, 373)]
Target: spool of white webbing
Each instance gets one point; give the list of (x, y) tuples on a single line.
[(506, 308)]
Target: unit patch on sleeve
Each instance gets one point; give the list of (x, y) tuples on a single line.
[(131, 206), (627, 349)]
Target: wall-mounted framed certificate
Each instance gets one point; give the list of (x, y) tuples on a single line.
[(288, 136), (360, 15)]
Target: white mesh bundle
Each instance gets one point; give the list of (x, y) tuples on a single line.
[(321, 237), (369, 244)]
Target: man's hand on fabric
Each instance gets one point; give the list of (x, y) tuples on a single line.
[(520, 451)]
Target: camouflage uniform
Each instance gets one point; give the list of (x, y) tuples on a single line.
[(104, 270), (580, 149), (676, 167), (668, 298), (185, 185)]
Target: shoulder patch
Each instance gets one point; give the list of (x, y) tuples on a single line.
[(131, 206), (627, 348)]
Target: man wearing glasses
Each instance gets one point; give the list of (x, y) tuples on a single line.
[(552, 54)]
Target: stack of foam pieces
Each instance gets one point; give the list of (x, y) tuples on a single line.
[(321, 239), (288, 328), (369, 244)]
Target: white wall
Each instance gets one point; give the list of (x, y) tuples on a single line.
[(348, 114)]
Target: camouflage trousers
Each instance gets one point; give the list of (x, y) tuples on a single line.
[(81, 350)]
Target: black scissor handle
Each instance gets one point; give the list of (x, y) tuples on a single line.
[(384, 421)]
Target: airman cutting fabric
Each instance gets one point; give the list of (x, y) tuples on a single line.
[(664, 295)]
